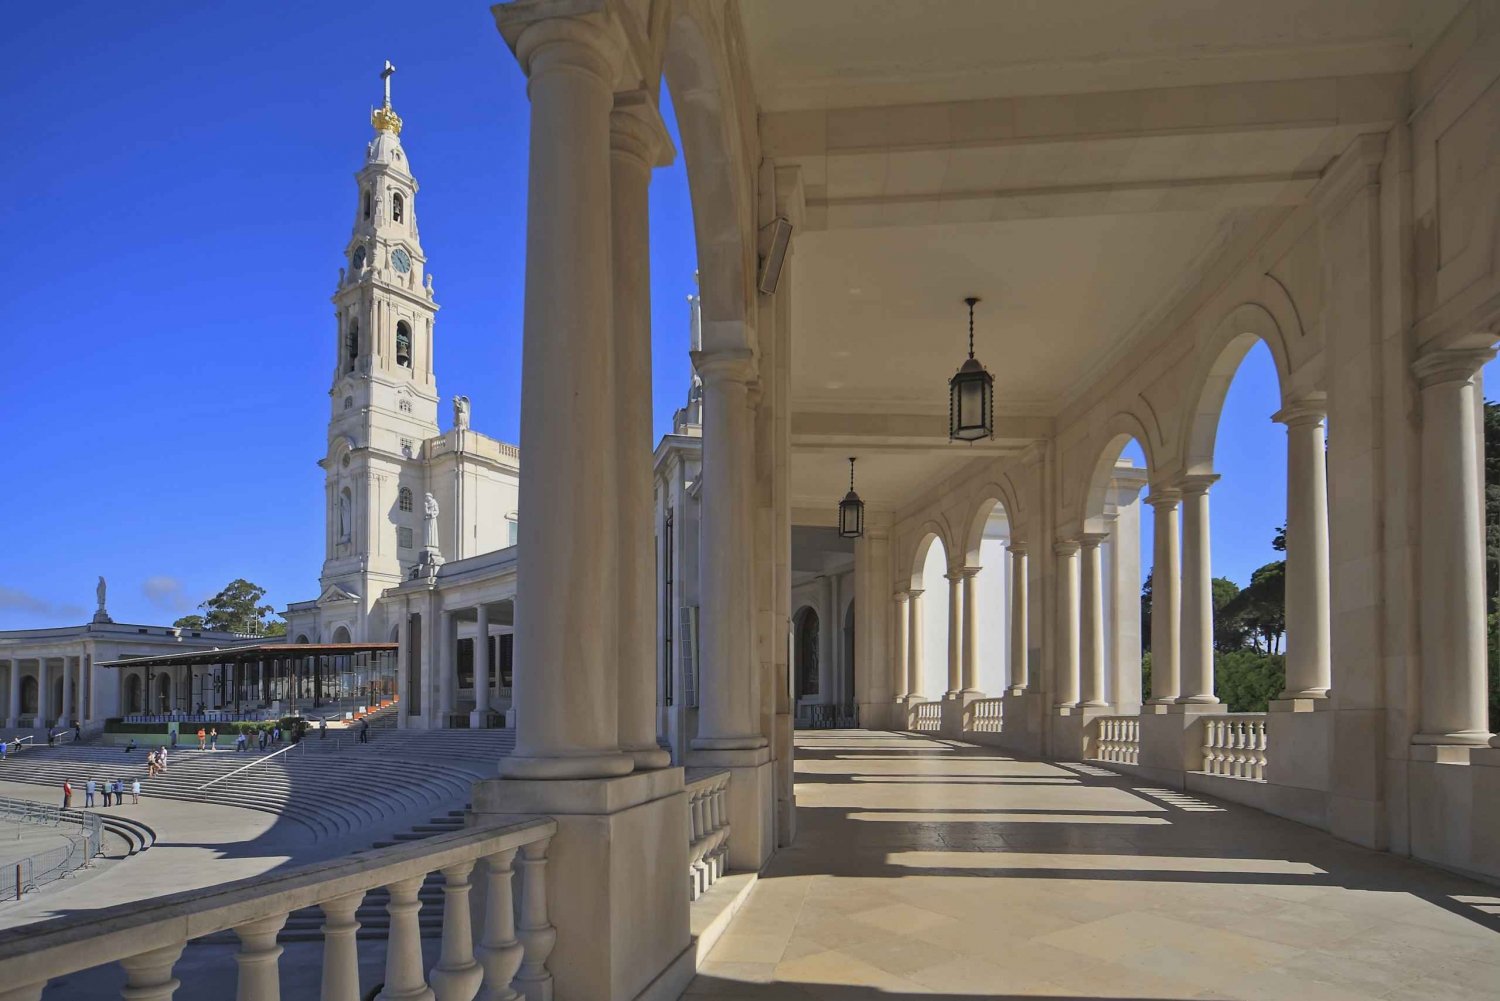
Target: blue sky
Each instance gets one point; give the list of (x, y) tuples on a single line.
[(178, 188)]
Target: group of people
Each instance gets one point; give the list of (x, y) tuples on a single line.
[(111, 789), (156, 762), (208, 739)]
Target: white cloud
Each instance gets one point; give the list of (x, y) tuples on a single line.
[(15, 600), (166, 593)]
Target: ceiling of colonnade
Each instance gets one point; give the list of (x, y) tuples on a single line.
[(1079, 165)]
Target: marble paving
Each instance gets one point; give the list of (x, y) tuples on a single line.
[(926, 867)]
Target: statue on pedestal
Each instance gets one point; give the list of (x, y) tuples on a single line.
[(460, 413), (100, 590)]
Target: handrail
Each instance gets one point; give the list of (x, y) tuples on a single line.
[(249, 764), (86, 939)]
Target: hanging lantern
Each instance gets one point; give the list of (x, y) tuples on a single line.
[(851, 510), (971, 395)]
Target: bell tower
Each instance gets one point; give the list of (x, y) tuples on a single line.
[(384, 398)]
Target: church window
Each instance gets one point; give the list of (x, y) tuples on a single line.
[(398, 205), (404, 538), (405, 406), (405, 501), (403, 344), (351, 346), (367, 204), (348, 403)]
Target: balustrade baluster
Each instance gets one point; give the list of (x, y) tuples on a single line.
[(457, 975), (403, 957), (341, 948), (259, 959), (148, 977), (536, 932), (500, 952)]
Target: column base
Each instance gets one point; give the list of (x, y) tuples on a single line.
[(616, 874), (1299, 704), (582, 766), (1158, 707), (1471, 738), (648, 758), (1196, 708), (749, 743)]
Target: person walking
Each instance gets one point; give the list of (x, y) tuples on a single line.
[(88, 792), (202, 738), (173, 741), (67, 795), (323, 728), (213, 739), (135, 791), (104, 788), (77, 731), (119, 792), (4, 749), (364, 731)]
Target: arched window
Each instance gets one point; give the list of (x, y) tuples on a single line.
[(367, 204), (348, 403), (405, 499), (351, 346), (398, 206), (807, 653), (403, 344)]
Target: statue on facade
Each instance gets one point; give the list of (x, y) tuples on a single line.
[(100, 589), (345, 517), (431, 556), (461, 413)]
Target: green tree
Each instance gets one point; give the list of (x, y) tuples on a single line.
[(194, 621), (1229, 630), (1260, 609), (1146, 611), (1246, 681), (237, 609)]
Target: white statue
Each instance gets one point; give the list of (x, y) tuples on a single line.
[(345, 529), (429, 524), (461, 413), (99, 591)]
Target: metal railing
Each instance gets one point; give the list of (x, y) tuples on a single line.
[(508, 958), (84, 833)]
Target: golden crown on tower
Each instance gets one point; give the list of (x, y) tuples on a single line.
[(384, 118)]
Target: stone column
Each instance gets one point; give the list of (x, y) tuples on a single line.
[(13, 694), (447, 666), (480, 716), (1197, 654), (1067, 623), (1166, 598), (827, 641), (403, 669), (1454, 707), (44, 705), (567, 692), (1091, 621), (955, 634), (970, 651), (902, 684), (1020, 669), (638, 142), (729, 696), (69, 672), (914, 644), (1308, 618)]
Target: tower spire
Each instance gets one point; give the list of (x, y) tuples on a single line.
[(384, 118)]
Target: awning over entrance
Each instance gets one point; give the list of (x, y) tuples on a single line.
[(251, 653)]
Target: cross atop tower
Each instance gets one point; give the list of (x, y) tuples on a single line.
[(385, 78)]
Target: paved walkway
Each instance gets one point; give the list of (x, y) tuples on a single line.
[(924, 867)]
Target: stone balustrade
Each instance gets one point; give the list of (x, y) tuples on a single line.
[(927, 717), (985, 716), (1117, 739), (1234, 746), (507, 960), (708, 827)]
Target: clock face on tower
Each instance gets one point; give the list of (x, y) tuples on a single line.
[(359, 258), (400, 261)]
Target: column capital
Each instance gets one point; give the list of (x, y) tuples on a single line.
[(1091, 540), (1311, 409), (901, 597), (636, 128), (727, 365), (1066, 547), (1163, 496), (1197, 484), (1452, 365), (914, 592), (574, 33), (954, 576), (967, 572), (1017, 548)]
